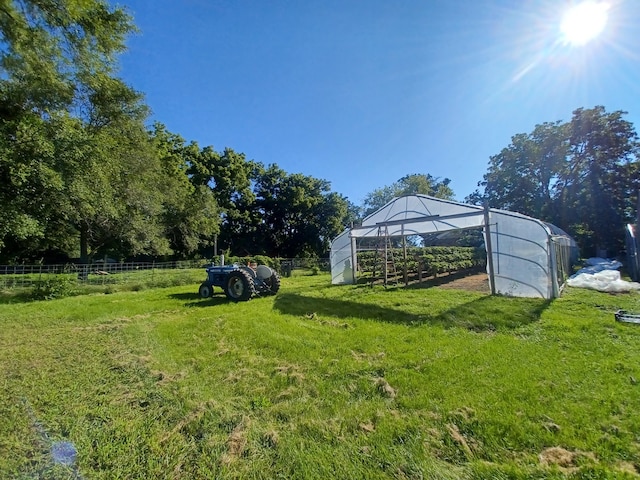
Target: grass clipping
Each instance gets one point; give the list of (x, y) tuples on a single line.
[(236, 443)]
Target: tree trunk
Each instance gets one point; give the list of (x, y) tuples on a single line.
[(84, 244)]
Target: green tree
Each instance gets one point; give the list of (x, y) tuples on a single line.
[(524, 176), (598, 188), (581, 175), (57, 54), (112, 188), (28, 181), (408, 185), (232, 181), (75, 157), (190, 214), (229, 176), (299, 216)]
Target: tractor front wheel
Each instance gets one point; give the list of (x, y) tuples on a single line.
[(205, 290), (239, 286)]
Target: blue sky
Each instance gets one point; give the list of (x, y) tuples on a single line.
[(363, 92)]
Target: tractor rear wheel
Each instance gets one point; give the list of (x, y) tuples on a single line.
[(205, 290), (239, 286), (274, 283)]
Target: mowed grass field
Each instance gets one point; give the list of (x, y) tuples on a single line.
[(320, 382)]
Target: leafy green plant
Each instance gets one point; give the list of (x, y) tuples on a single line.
[(430, 261), (54, 287)]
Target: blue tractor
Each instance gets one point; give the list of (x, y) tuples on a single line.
[(239, 282)]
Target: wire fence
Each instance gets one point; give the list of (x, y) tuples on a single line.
[(100, 273), (114, 273)]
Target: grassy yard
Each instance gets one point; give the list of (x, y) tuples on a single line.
[(320, 382)]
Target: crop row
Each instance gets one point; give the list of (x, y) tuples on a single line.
[(430, 261)]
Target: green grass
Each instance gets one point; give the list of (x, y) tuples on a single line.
[(321, 382)]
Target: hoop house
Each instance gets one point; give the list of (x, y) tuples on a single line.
[(525, 256)]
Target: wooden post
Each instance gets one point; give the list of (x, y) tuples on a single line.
[(487, 230)]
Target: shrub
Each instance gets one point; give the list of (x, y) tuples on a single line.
[(54, 287), (264, 260)]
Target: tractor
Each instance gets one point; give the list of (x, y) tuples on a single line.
[(239, 282)]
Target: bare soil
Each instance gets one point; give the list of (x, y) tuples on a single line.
[(477, 282), (474, 281)]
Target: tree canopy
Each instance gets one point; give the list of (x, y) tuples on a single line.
[(582, 175), (82, 175), (71, 131), (408, 185)]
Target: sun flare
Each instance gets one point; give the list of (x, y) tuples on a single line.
[(584, 22)]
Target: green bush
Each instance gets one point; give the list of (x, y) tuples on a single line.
[(268, 261), (259, 259), (54, 287)]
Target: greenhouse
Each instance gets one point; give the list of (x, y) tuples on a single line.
[(525, 256)]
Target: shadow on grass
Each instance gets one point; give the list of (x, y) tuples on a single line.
[(15, 297), (195, 300), (488, 313)]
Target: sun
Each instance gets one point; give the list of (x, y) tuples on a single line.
[(584, 22)]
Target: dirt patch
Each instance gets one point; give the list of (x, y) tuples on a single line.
[(566, 460), (236, 443), (384, 388), (367, 427), (477, 282), (291, 372), (628, 467), (270, 439), (460, 440), (557, 456)]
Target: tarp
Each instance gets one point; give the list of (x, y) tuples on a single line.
[(601, 274)]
